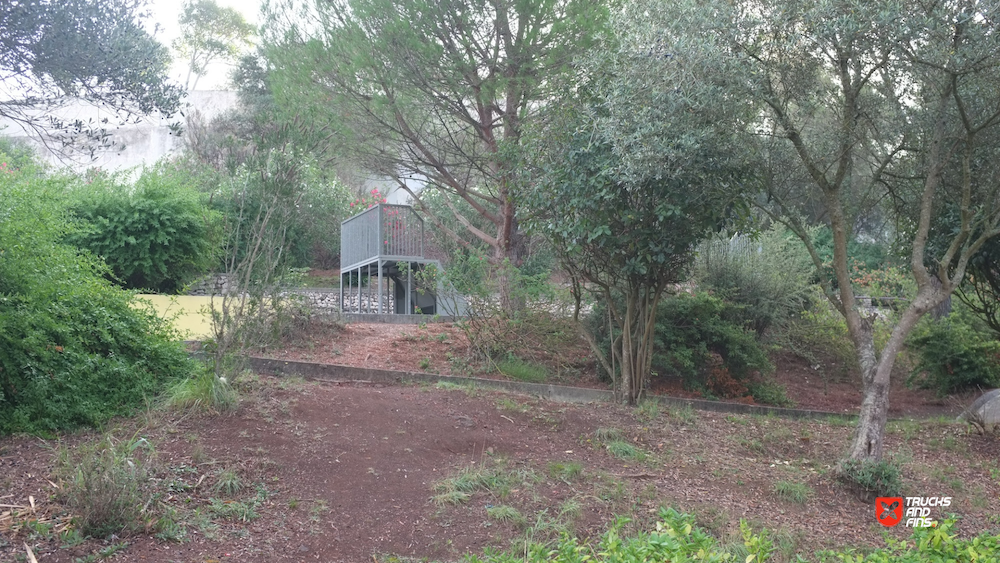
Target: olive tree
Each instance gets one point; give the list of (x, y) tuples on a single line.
[(92, 50), (891, 104)]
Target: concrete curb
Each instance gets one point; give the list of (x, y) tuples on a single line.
[(556, 393)]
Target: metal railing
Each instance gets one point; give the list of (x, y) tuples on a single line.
[(385, 231)]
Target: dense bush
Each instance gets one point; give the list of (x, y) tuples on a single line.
[(867, 256), (819, 336), (154, 235), (315, 232), (701, 339), (954, 353), (73, 349), (499, 334), (767, 278)]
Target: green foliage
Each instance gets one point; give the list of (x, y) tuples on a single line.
[(937, 543), (361, 64), (955, 353), (767, 277), (625, 451), (314, 233), (819, 335), (767, 391), (867, 256), (798, 493), (155, 235), (689, 328), (675, 538), (98, 52), (107, 485), (881, 478), (980, 291), (505, 335), (204, 390), (506, 514), (210, 32), (565, 471), (74, 349)]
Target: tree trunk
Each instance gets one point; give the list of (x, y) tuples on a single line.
[(877, 369), (870, 433), (509, 255)]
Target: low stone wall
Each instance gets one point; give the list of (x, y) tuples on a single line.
[(558, 393)]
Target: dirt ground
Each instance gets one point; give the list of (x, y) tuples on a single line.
[(368, 473), (442, 348)]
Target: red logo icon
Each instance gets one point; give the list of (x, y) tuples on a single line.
[(889, 510)]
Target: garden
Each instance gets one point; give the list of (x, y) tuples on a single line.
[(760, 240)]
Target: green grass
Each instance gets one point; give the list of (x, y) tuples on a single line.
[(565, 471), (498, 481), (520, 370), (798, 493), (228, 483), (450, 498), (203, 392), (507, 515), (625, 451), (510, 405), (607, 434), (684, 415), (648, 411), (236, 511)]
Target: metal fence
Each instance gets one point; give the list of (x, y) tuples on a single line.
[(385, 231)]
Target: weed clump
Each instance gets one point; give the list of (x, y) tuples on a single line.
[(107, 485), (871, 479)]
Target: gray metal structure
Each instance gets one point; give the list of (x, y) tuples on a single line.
[(385, 246)]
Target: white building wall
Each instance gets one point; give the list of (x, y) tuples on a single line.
[(135, 144)]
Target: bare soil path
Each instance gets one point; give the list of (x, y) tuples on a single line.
[(359, 473)]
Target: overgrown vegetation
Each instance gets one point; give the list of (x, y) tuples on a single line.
[(74, 349), (700, 339), (767, 279), (107, 485), (871, 479), (155, 234), (955, 353)]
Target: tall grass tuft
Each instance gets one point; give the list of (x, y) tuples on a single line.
[(204, 391), (107, 485)]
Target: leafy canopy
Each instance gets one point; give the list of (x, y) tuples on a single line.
[(96, 50)]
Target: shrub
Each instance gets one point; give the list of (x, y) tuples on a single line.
[(203, 391), (769, 392), (819, 336), (767, 278), (502, 334), (107, 485), (694, 333), (155, 235), (798, 493), (871, 479), (954, 353), (73, 349)]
